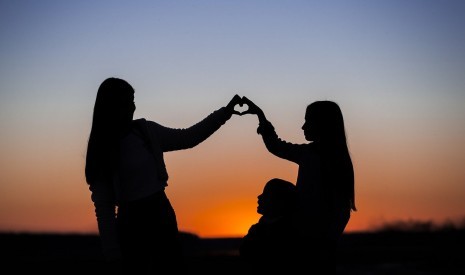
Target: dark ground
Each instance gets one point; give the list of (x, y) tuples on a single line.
[(389, 252)]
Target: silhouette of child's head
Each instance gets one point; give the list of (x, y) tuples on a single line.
[(278, 198), (324, 122)]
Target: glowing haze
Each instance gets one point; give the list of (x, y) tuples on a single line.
[(396, 68)]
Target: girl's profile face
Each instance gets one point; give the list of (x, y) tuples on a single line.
[(309, 128), (127, 107), (264, 202)]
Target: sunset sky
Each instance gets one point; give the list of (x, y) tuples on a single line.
[(396, 68)]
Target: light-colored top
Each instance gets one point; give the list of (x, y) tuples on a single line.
[(141, 168)]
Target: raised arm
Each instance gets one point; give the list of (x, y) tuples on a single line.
[(253, 109), (273, 143), (171, 139)]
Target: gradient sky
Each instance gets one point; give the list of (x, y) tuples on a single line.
[(396, 68)]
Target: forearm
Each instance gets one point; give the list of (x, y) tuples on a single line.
[(106, 221), (105, 212), (178, 139), (277, 146), (261, 117)]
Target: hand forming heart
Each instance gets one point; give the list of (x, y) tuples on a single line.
[(249, 108), (241, 108)]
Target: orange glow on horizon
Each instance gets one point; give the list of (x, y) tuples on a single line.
[(214, 187), (212, 197)]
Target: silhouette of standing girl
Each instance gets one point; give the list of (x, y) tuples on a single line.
[(325, 180), (127, 178)]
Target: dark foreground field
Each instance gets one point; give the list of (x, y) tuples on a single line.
[(359, 253)]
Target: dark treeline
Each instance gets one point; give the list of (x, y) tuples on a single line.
[(419, 250), (412, 225)]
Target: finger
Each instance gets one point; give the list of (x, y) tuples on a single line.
[(247, 101), (238, 100), (234, 100), (241, 101)]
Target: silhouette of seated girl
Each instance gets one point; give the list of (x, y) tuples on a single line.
[(272, 241)]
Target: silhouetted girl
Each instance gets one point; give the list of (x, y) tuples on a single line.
[(127, 178), (325, 180), (272, 242)]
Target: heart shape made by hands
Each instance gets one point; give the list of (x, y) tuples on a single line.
[(241, 109)]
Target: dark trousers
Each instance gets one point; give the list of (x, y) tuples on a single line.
[(149, 236)]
